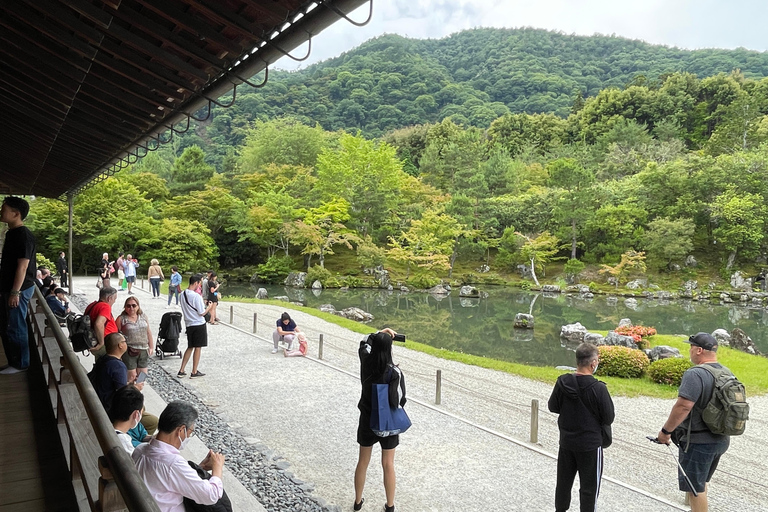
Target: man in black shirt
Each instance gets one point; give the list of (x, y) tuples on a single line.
[(17, 284), (63, 269), (584, 406)]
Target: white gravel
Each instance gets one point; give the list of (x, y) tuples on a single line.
[(475, 457)]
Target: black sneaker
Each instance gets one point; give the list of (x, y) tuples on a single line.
[(197, 374)]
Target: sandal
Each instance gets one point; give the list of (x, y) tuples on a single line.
[(358, 506)]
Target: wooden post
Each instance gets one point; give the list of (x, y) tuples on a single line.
[(534, 421), (70, 263), (320, 348), (438, 387), (254, 323), (142, 282), (231, 314)]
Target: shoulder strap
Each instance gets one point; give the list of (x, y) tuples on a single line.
[(184, 293)]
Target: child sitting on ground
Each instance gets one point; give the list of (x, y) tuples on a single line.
[(302, 350)]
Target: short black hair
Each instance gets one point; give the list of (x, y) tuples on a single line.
[(285, 316), (18, 204), (176, 414), (195, 278), (125, 401)]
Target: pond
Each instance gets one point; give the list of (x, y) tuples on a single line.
[(484, 326)]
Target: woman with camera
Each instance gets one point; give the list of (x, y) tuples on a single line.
[(376, 367)]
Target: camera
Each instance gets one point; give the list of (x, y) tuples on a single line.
[(399, 337)]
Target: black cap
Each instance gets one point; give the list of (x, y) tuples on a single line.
[(703, 340)]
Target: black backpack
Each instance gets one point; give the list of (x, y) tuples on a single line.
[(80, 332)]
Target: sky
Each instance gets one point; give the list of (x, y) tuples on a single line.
[(683, 23)]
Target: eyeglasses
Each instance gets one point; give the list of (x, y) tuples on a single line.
[(192, 432), (131, 305)]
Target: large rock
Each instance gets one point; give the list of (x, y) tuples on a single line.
[(484, 269), (577, 288), (296, 279), (262, 293), (283, 298), (594, 338), (690, 261), (469, 302), (381, 276), (356, 314), (327, 308), (689, 287), (523, 321), (662, 352), (625, 322), (637, 284), (468, 291), (439, 290), (524, 271), (739, 282), (550, 288), (620, 340), (317, 285), (573, 332), (740, 341), (630, 303)]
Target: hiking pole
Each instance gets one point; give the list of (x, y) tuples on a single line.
[(687, 480)]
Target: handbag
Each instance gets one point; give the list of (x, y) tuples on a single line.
[(387, 421), (178, 288), (134, 352), (605, 430), (223, 505)]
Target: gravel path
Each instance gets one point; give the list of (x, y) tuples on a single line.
[(469, 453)]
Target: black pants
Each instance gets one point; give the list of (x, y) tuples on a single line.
[(589, 465)]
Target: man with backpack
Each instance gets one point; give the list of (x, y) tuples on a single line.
[(711, 406)]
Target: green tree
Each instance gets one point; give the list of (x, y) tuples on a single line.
[(190, 171), (322, 229), (538, 250), (631, 261), (282, 141), (740, 225), (667, 240), (573, 205)]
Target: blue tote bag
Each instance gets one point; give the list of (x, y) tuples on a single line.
[(386, 420)]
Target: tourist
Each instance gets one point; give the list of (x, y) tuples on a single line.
[(286, 332), (105, 270), (194, 318), (102, 321), (376, 367), (166, 473), (134, 325), (130, 265), (175, 287), (155, 275), (213, 297), (57, 301), (302, 350), (125, 414), (63, 269), (17, 284), (699, 453), (585, 407), (120, 268)]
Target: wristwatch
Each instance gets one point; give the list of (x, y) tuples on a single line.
[(15, 292), (665, 431)]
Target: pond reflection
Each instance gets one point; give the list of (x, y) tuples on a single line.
[(483, 326)]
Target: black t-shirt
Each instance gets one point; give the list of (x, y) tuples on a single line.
[(19, 244)]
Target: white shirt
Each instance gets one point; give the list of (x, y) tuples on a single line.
[(169, 478), (193, 310), (126, 441)]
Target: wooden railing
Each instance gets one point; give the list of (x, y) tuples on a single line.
[(103, 474)]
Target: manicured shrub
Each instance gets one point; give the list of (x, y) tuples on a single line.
[(621, 362), (318, 273), (275, 269), (668, 371), (638, 332), (423, 281)]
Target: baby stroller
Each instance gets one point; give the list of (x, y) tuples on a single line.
[(168, 335)]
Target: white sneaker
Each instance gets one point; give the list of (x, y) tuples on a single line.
[(274, 351), (11, 370)]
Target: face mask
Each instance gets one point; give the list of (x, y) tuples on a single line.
[(137, 422), (185, 442), (595, 370)]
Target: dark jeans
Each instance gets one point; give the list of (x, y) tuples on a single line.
[(589, 465), (155, 284), (13, 329), (173, 290)]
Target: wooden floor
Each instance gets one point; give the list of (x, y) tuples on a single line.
[(33, 470)]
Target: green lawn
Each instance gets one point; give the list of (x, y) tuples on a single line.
[(751, 370)]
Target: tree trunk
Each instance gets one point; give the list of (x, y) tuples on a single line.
[(453, 260), (533, 273), (530, 309), (731, 260), (573, 239), (322, 259)]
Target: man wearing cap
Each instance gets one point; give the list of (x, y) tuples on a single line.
[(699, 454)]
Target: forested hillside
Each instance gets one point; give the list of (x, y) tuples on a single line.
[(668, 163)]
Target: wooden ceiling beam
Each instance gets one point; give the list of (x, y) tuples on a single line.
[(126, 74), (152, 69), (39, 63), (194, 26), (61, 15), (250, 31), (170, 39), (88, 10), (26, 96)]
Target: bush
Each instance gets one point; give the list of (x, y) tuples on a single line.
[(42, 261), (353, 282), (573, 267), (638, 333), (317, 273), (621, 362), (526, 285), (668, 371), (422, 281), (275, 269)]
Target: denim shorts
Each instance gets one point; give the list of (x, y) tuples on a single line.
[(700, 463)]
